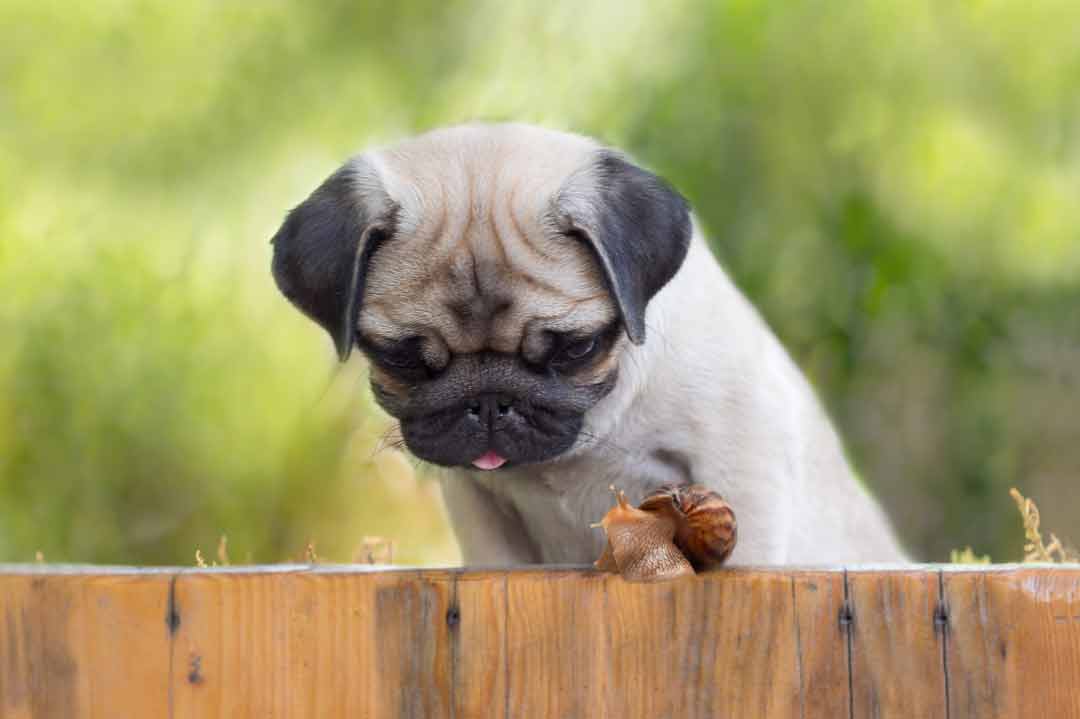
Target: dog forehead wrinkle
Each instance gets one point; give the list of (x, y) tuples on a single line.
[(471, 167), (477, 259)]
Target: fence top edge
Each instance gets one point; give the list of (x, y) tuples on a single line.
[(37, 569)]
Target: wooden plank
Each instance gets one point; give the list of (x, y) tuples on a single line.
[(1014, 643), (897, 667), (477, 629), (123, 643), (976, 651), (651, 632), (37, 671), (313, 644), (821, 644), (73, 645), (555, 644), (334, 665), (738, 649), (731, 643), (412, 642), (233, 644)]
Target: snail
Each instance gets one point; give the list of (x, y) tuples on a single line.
[(674, 532)]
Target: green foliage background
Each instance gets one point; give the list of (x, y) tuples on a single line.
[(894, 182)]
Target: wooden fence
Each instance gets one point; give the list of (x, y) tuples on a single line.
[(347, 641)]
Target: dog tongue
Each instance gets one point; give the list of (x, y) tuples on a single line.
[(489, 460)]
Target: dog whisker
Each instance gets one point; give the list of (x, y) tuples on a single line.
[(391, 438), (604, 442)]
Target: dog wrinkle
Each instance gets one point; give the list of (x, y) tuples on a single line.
[(515, 221)]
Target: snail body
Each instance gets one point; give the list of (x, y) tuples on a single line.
[(674, 532), (640, 544)]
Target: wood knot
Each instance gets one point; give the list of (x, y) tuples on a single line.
[(195, 676)]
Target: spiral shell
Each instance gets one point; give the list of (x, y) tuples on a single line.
[(705, 528)]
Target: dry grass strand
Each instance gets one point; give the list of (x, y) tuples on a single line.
[(223, 551), (1035, 550), (374, 550)]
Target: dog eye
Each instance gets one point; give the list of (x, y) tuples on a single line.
[(579, 349), (576, 350), (401, 360), (404, 354)]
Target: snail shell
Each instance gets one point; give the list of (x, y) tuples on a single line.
[(705, 527)]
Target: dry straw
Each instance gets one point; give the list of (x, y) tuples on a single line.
[(1034, 548)]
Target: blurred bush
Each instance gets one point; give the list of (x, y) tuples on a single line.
[(894, 183)]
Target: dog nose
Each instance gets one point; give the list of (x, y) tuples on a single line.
[(487, 408)]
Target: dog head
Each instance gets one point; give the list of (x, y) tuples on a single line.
[(493, 275)]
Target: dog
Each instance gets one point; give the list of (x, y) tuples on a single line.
[(544, 319)]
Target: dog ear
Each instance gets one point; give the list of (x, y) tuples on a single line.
[(323, 249), (637, 225)]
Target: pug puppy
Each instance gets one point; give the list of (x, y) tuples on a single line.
[(544, 319)]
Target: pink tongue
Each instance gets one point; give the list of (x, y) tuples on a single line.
[(489, 460)]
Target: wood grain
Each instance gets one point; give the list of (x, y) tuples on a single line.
[(240, 645), (338, 641), (737, 650), (711, 645), (649, 636), (75, 645), (412, 644), (1014, 643), (478, 645), (333, 664), (556, 655), (897, 667), (821, 644)]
